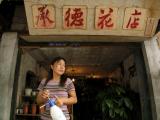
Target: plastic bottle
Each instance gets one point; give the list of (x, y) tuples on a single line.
[(55, 111)]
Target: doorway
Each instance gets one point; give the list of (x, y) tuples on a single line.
[(92, 66)]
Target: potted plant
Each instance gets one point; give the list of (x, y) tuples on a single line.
[(114, 103)]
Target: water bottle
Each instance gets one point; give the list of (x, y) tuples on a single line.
[(55, 111)]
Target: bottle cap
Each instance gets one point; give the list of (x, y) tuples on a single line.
[(51, 102)]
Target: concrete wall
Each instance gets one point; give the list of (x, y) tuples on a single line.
[(128, 80), (8, 57), (142, 85), (27, 63), (138, 83), (151, 53)]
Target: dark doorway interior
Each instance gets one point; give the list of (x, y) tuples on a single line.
[(90, 92), (97, 67)]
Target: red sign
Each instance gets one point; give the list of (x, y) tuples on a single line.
[(74, 17), (105, 18), (43, 16), (134, 18)]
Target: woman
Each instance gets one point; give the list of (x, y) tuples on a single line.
[(57, 87)]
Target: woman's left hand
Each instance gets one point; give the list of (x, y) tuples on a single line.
[(59, 101), (67, 101)]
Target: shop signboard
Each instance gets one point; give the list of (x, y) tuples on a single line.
[(49, 18)]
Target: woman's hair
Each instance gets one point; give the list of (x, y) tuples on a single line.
[(50, 75)]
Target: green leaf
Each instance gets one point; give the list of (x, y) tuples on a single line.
[(121, 112), (120, 90), (128, 103), (117, 110), (109, 103), (111, 113), (120, 102), (125, 115)]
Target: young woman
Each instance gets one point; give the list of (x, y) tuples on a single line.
[(57, 87)]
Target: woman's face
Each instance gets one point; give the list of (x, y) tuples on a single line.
[(58, 67)]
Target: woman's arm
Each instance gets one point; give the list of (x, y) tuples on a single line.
[(67, 101)]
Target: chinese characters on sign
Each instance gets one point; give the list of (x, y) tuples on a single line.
[(134, 19), (105, 18), (43, 16), (74, 17)]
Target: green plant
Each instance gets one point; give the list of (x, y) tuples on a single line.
[(114, 103)]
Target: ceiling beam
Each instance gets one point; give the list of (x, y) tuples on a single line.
[(40, 44), (81, 38)]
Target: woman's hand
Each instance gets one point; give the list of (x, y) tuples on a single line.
[(67, 101), (59, 101), (44, 94)]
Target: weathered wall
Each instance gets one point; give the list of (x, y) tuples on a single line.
[(151, 53), (142, 85), (8, 57), (130, 80), (27, 63), (138, 82)]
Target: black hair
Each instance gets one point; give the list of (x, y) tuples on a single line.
[(50, 75)]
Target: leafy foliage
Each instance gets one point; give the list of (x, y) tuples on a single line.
[(114, 103)]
